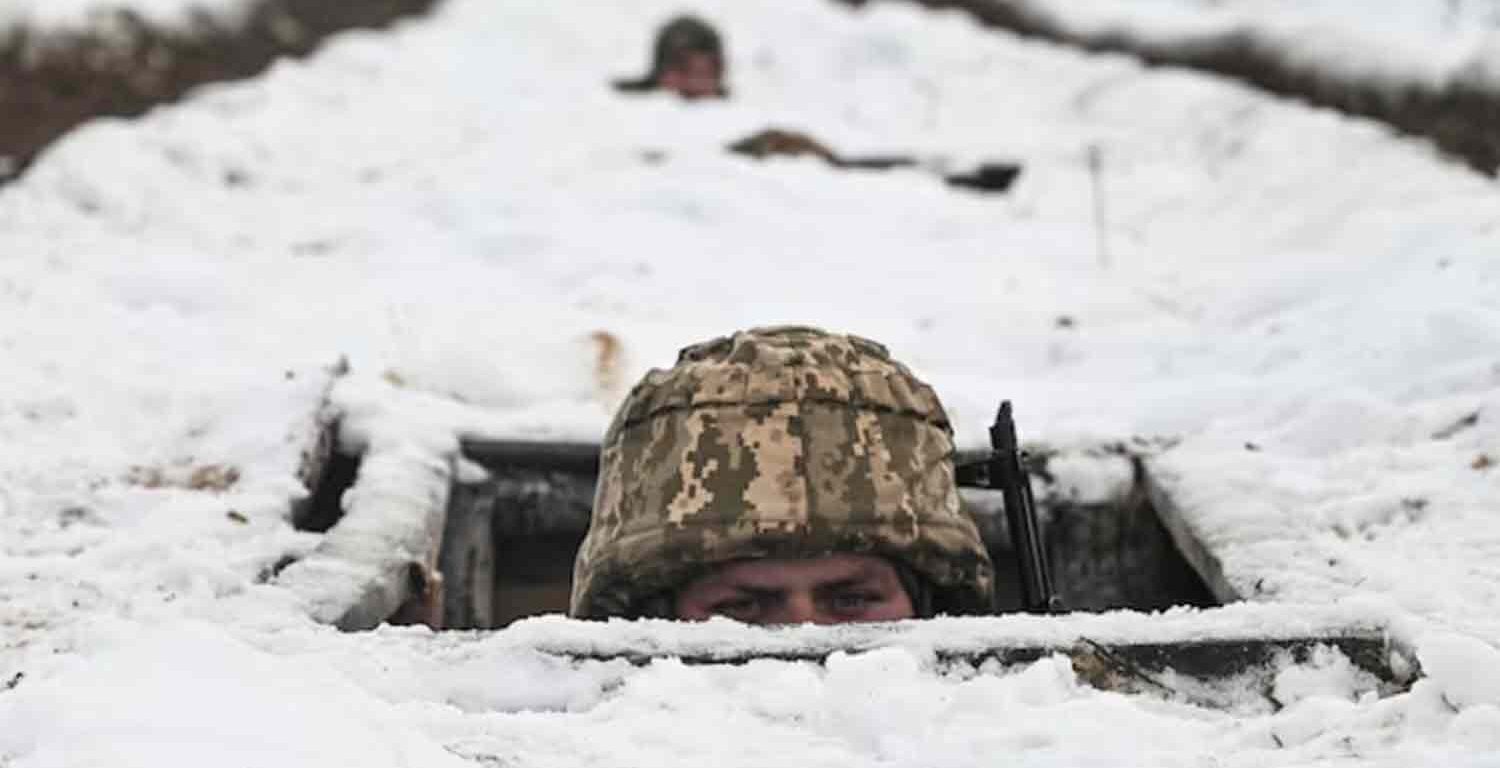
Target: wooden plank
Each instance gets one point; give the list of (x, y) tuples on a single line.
[(384, 551), (1216, 673), (1189, 544), (552, 456)]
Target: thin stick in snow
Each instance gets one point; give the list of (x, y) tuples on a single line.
[(1101, 221)]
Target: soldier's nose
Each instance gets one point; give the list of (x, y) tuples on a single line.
[(800, 608)]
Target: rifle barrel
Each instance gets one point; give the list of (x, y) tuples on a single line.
[(1008, 475)]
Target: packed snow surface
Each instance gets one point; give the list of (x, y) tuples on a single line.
[(1401, 43), (190, 692), (1305, 305)]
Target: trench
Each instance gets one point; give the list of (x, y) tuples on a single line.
[(327, 472), (510, 539), (122, 66)]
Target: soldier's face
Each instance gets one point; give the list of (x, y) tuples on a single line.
[(693, 76), (835, 589)]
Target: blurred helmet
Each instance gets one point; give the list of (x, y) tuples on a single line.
[(682, 36), (782, 442)]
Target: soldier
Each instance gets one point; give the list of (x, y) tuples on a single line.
[(688, 59), (776, 476)]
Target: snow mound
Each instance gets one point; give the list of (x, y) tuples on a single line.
[(210, 696)]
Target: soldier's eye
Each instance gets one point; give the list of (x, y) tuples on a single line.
[(736, 608), (852, 602)]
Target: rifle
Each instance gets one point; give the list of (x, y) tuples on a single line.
[(994, 176), (1007, 474)]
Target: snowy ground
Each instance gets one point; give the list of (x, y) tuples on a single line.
[(466, 213), (1422, 43)]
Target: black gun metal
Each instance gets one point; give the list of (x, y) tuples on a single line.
[(1007, 474)]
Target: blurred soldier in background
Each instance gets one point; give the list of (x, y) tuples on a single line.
[(778, 476), (688, 59)]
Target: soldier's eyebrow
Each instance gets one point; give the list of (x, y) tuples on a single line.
[(849, 582), (861, 574), (840, 585)]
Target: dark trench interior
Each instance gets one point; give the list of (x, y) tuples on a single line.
[(509, 540)]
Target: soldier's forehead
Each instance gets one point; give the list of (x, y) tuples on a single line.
[(785, 571)]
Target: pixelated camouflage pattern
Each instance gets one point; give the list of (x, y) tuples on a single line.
[(777, 442)]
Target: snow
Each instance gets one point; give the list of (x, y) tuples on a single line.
[(1429, 44), (394, 697), (265, 710), (1304, 305), (728, 640), (1468, 670)]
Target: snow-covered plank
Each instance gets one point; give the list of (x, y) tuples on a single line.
[(384, 549), (1190, 542)]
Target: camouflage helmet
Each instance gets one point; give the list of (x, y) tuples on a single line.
[(777, 442)]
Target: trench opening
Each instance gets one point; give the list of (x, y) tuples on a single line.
[(504, 546), (510, 539), (327, 472), (1105, 556)]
